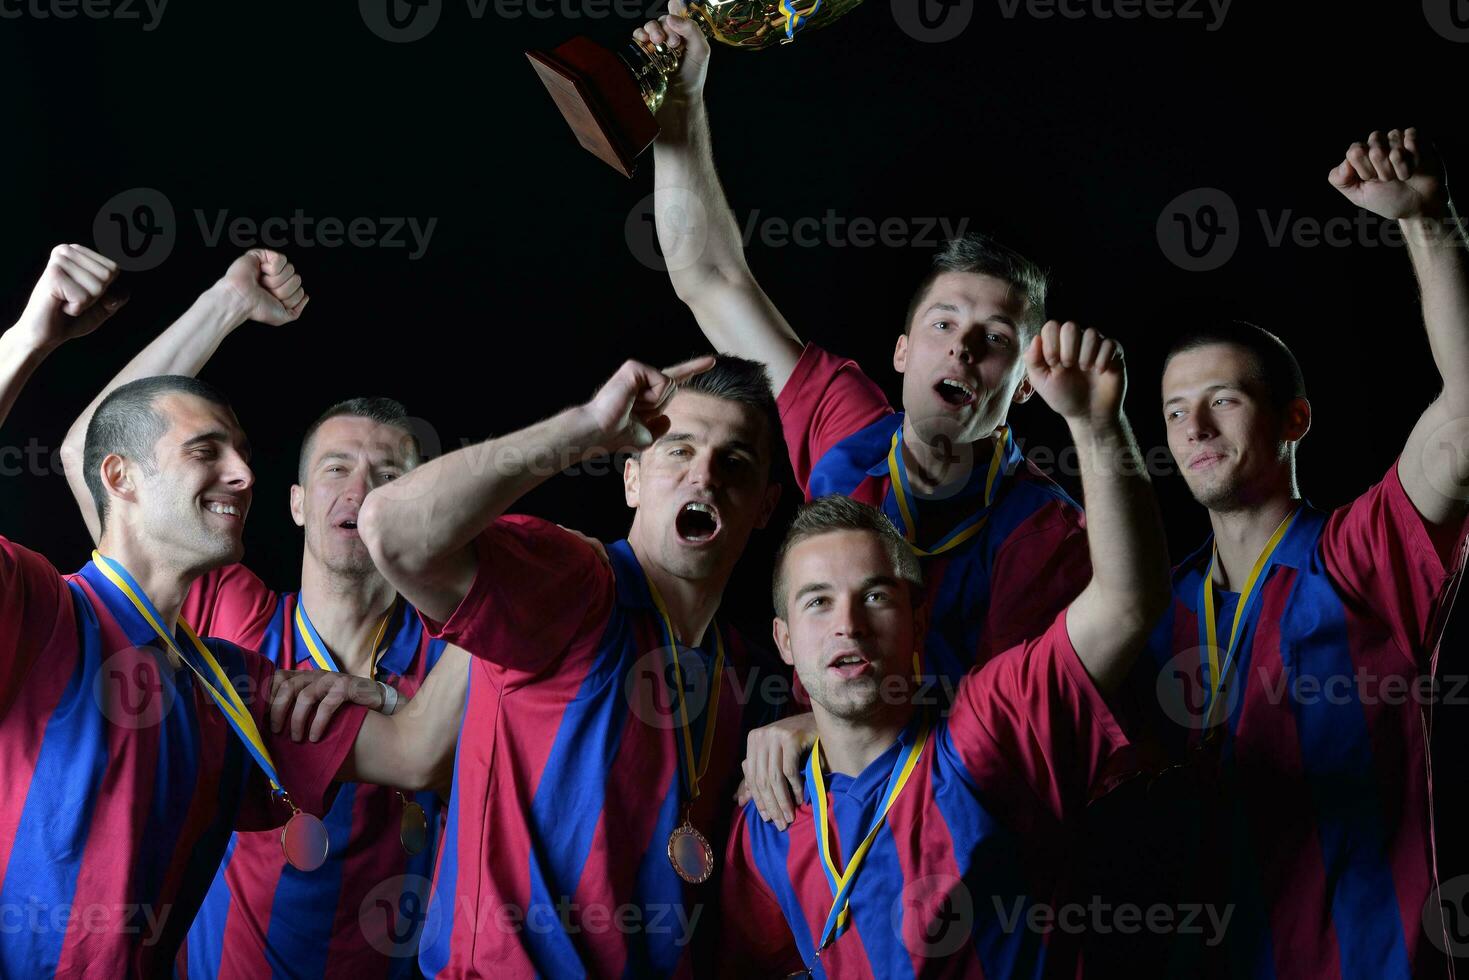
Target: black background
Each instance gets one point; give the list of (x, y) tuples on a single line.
[(1068, 137)]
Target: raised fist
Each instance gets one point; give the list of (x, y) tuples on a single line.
[(267, 285), (72, 297), (1080, 374), (1399, 175)]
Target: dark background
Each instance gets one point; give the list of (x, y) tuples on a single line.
[(1068, 137)]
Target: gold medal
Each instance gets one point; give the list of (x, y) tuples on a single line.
[(412, 826), (690, 854), (304, 841)]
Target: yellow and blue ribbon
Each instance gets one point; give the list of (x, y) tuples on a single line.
[(795, 20), (1249, 600), (966, 529), (693, 770), (321, 655), (198, 658), (842, 882)]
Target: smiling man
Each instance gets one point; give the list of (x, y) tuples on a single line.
[(926, 838), (261, 915), (1002, 546), (608, 705), (1298, 633), (129, 748)]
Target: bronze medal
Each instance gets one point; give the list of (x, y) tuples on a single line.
[(304, 842), (690, 854), (413, 827)]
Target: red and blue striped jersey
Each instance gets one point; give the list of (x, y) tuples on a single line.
[(263, 917), (567, 780), (123, 779), (1317, 824), (976, 845), (998, 589)]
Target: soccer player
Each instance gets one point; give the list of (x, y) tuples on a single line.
[(595, 750), (1002, 546), (262, 916), (1301, 635), (928, 842), (130, 749)]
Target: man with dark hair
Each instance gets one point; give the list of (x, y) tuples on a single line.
[(1296, 635), (1002, 546), (129, 748), (924, 834), (607, 705), (262, 916)]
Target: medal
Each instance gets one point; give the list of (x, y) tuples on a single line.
[(690, 854), (412, 826), (688, 850), (412, 822), (304, 841)]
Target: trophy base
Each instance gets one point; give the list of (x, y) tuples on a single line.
[(601, 100)]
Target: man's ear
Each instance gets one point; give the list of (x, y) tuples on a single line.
[(298, 504), (631, 482), (1024, 390), (767, 506), (117, 478), (782, 634), (1297, 420), (900, 354)]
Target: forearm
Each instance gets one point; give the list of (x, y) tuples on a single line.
[(1440, 256), (20, 355), (438, 509), (705, 252), (184, 348), (413, 749)]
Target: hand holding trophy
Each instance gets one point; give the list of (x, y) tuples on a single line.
[(610, 99)]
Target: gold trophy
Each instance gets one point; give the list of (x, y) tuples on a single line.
[(609, 99)]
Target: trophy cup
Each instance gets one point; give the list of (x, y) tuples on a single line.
[(609, 99)]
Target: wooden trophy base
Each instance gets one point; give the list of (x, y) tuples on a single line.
[(597, 93)]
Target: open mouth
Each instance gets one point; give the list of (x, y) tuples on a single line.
[(697, 522), (350, 524), (851, 665), (955, 392)]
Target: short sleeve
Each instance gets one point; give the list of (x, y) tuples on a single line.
[(1037, 573), (826, 399), (308, 770), (35, 606), (537, 589), (230, 603), (1031, 726), (755, 940), (1379, 550)]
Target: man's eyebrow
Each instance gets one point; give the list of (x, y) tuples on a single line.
[(676, 436), (1237, 386), (812, 587), (873, 580)]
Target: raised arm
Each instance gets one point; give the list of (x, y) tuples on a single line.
[(71, 299), (696, 226), (419, 528), (1401, 176), (1082, 376), (260, 285)]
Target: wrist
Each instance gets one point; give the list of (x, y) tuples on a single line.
[(680, 117), (223, 306), (389, 698), (30, 342)]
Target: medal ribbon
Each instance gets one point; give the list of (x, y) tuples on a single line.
[(224, 695), (321, 655), (692, 772), (841, 882), (795, 20), (967, 528), (1249, 601)]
